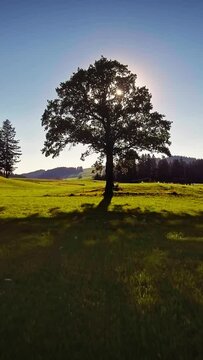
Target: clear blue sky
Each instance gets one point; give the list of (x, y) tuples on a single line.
[(43, 41)]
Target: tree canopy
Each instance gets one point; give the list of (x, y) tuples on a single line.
[(9, 148), (102, 107)]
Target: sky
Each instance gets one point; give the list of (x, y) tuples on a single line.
[(42, 42)]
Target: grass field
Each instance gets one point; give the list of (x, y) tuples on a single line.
[(78, 282)]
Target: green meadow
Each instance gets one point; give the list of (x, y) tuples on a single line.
[(78, 281)]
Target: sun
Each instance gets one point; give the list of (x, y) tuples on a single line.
[(119, 92)]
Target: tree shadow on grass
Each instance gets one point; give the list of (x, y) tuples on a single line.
[(104, 203), (99, 284)]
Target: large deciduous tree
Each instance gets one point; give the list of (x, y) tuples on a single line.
[(9, 148), (102, 107)]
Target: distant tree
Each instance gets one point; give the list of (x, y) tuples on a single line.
[(102, 107), (132, 168), (98, 170), (9, 148), (126, 167), (178, 173), (1, 153), (153, 168), (163, 170), (197, 171), (144, 168)]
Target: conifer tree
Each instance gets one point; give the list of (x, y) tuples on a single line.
[(9, 149)]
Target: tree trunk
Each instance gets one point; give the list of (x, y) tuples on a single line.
[(109, 176)]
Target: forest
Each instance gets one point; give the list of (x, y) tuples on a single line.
[(148, 168)]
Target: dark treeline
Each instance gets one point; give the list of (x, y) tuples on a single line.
[(149, 168)]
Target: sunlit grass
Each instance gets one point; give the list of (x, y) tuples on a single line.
[(77, 282), (23, 197)]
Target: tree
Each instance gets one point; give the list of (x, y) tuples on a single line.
[(178, 171), (126, 168), (9, 148), (1, 153), (145, 170), (102, 107), (163, 170)]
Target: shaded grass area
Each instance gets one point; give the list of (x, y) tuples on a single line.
[(124, 284)]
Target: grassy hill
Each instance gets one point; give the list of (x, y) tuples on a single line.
[(56, 173), (81, 283), (87, 173)]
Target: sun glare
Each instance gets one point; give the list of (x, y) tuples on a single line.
[(119, 92)]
